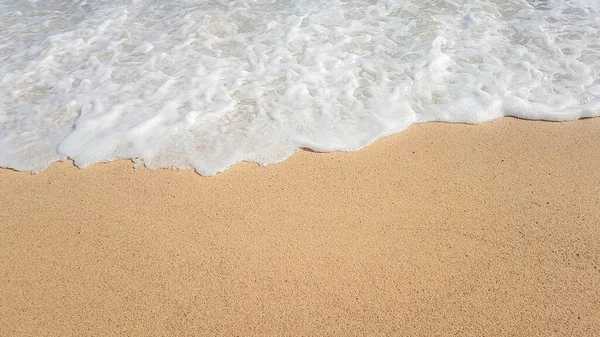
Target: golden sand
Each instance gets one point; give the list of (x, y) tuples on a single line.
[(441, 230)]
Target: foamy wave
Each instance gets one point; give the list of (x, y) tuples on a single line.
[(207, 84)]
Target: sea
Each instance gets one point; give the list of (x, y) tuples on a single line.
[(207, 84)]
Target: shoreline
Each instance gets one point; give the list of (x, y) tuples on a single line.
[(442, 229), (131, 162)]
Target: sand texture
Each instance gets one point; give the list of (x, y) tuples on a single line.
[(443, 230)]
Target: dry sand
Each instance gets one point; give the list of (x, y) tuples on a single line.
[(443, 230)]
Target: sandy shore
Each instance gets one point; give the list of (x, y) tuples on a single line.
[(444, 229)]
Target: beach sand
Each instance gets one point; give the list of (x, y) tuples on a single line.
[(444, 229)]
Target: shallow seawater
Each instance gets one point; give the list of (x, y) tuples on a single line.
[(207, 84)]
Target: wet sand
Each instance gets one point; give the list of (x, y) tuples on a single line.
[(444, 229)]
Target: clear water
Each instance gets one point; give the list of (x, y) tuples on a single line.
[(206, 84)]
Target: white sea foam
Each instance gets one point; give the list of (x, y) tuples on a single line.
[(207, 84)]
